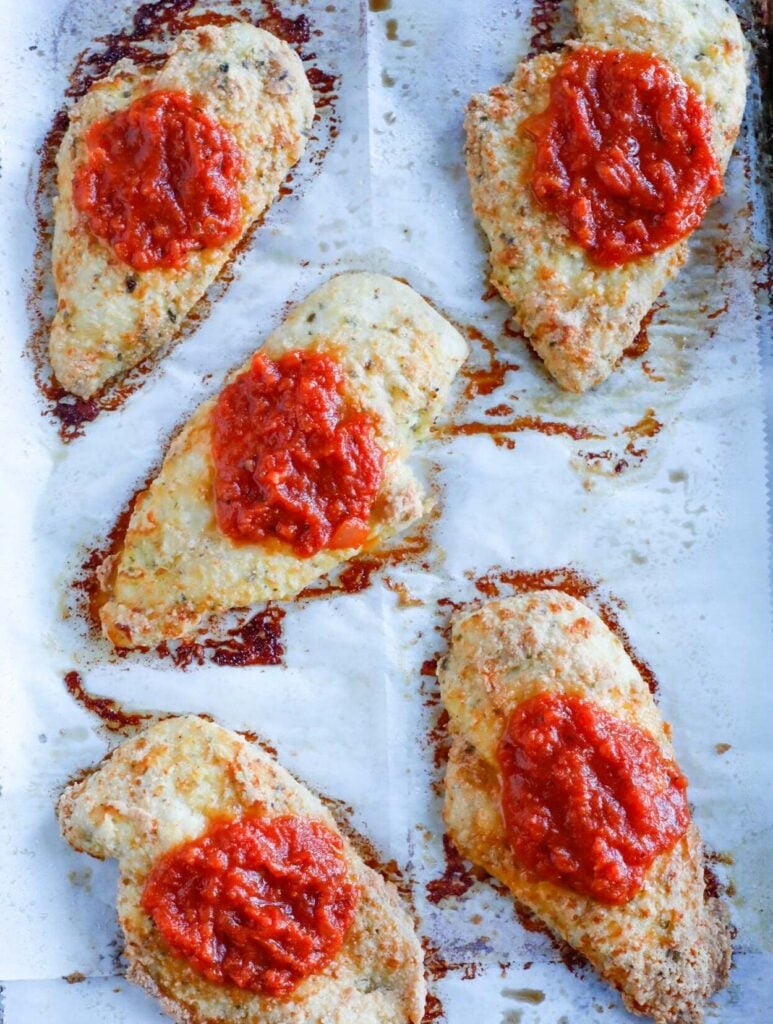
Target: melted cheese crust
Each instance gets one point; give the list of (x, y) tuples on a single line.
[(398, 358), (252, 83), (668, 949), (164, 787), (578, 316)]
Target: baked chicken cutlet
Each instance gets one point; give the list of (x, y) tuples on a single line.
[(160, 175), (239, 899), (591, 167), (298, 465), (562, 783)]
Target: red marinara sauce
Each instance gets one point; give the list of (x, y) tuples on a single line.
[(258, 903), (588, 800), (159, 180), (292, 460), (623, 154)]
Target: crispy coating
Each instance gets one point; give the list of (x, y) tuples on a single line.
[(398, 358), (162, 788), (579, 316), (109, 316), (667, 950)]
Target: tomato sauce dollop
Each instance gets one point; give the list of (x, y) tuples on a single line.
[(588, 800), (160, 179), (292, 460), (257, 903), (623, 154)]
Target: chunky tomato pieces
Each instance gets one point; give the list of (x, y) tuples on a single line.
[(258, 903), (623, 154), (588, 800), (160, 179), (292, 460)]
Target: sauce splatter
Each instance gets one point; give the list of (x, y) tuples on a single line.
[(534, 996), (500, 432), (628, 451), (433, 1012), (259, 741), (256, 641), (641, 343), (575, 962), (647, 426), (437, 966), (714, 887), (110, 712), (356, 575), (486, 379), (457, 877), (89, 590), (545, 16)]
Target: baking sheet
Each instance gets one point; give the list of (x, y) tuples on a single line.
[(664, 510)]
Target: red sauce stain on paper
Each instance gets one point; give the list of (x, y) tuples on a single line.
[(487, 379), (356, 575), (500, 432), (110, 712), (545, 16), (459, 875), (255, 641)]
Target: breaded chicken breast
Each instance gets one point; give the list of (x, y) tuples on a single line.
[(668, 949), (579, 315), (398, 358), (110, 316), (164, 788)]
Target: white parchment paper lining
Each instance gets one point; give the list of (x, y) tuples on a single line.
[(681, 536)]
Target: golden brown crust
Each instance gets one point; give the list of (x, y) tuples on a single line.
[(579, 316), (398, 357), (252, 83), (162, 788), (667, 950)]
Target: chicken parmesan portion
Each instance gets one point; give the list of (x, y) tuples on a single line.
[(562, 783), (592, 166), (238, 897), (295, 467), (159, 176)]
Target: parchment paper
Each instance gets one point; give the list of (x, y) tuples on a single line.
[(679, 535)]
